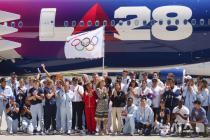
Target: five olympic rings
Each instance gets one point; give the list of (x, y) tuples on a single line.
[(86, 43)]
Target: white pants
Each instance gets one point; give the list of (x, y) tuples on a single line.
[(27, 125), (58, 116), (2, 109), (66, 118), (129, 126), (12, 125), (110, 116), (37, 111)]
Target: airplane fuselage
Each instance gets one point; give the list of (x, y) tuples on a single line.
[(139, 33)]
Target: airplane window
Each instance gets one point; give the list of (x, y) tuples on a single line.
[(193, 21), (81, 23), (73, 24), (105, 23), (13, 24), (97, 23), (169, 22), (113, 22), (152, 22), (136, 22), (128, 22), (120, 22), (202, 22), (20, 24), (66, 23), (185, 21), (144, 22), (209, 21), (89, 23), (161, 22), (177, 22)]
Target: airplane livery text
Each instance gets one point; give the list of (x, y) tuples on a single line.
[(170, 23)]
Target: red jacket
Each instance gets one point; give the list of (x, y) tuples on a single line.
[(90, 101)]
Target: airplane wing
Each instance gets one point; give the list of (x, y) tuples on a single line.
[(7, 47)]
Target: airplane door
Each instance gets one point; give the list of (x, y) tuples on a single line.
[(47, 22)]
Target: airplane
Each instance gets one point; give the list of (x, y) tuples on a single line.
[(139, 34)]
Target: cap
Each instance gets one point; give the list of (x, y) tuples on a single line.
[(188, 77)]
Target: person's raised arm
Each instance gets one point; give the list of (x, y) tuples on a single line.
[(44, 69)]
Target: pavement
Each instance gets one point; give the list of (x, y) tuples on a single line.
[(66, 137)]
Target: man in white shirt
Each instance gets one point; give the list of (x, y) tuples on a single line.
[(128, 115), (13, 83), (77, 104), (180, 115), (157, 92), (125, 77), (159, 82), (123, 86), (5, 94), (144, 90), (144, 117), (145, 78)]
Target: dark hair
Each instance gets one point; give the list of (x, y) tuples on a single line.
[(170, 80), (205, 83), (136, 84), (130, 98), (108, 81), (144, 97), (75, 79), (197, 102), (117, 83), (2, 80)]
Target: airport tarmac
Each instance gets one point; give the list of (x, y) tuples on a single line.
[(93, 138), (57, 137)]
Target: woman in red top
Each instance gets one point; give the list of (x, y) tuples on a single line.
[(90, 108)]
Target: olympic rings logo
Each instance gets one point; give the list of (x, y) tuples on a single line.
[(85, 43)]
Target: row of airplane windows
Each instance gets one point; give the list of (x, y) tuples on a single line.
[(194, 22)]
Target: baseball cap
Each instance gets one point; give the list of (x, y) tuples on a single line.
[(188, 77)]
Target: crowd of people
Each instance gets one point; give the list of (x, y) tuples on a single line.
[(102, 105)]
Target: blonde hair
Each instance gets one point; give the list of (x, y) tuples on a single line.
[(99, 83)]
